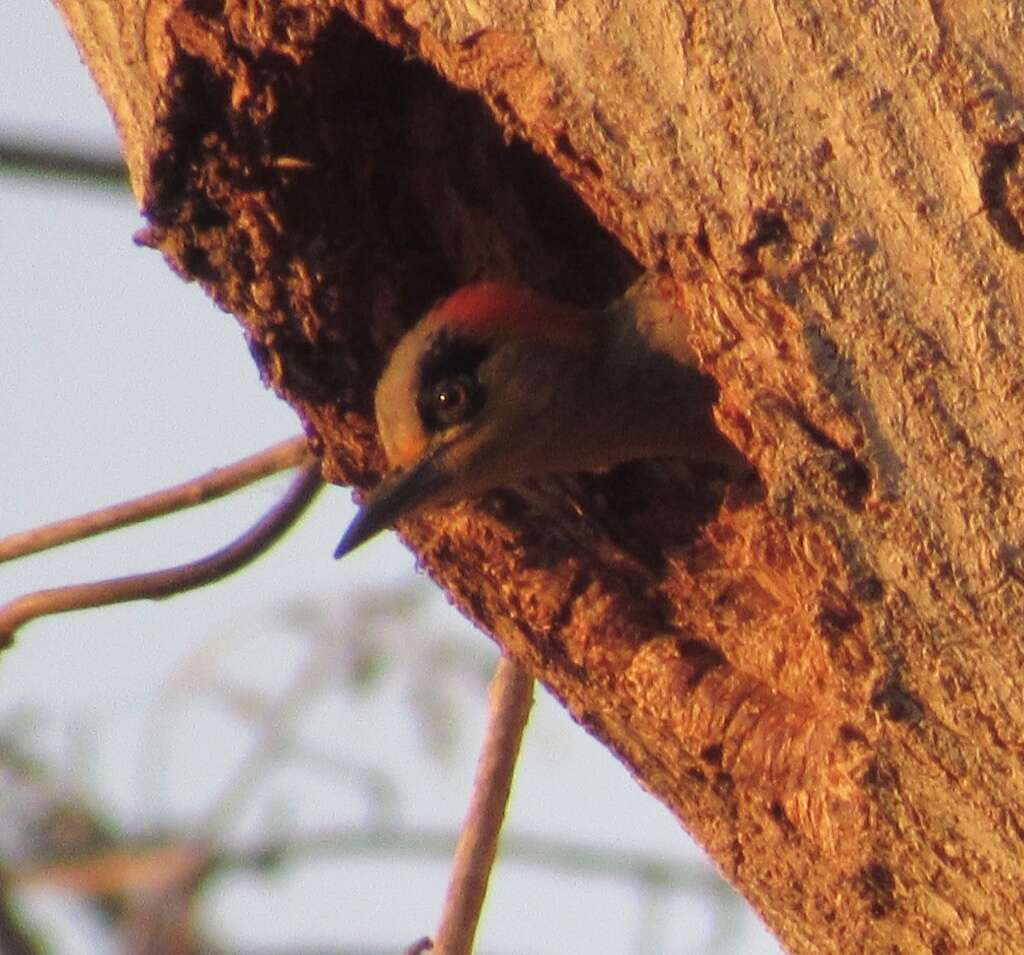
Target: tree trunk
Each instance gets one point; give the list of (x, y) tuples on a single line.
[(819, 670)]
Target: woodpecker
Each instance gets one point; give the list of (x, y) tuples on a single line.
[(497, 384)]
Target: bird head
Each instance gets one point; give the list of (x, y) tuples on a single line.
[(469, 400)]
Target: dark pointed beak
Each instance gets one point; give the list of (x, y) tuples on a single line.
[(397, 496)]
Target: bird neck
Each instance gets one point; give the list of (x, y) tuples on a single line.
[(650, 398)]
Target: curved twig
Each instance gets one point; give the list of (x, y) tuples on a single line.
[(171, 580), (216, 483), (511, 695)]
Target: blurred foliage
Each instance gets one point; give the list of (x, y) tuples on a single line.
[(56, 836)]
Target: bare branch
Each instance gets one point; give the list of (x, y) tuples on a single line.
[(199, 490), (70, 165), (172, 580), (511, 695), (149, 869), (391, 843), (276, 731), (14, 939)]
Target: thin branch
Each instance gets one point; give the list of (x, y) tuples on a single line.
[(390, 843), (199, 490), (64, 163), (395, 841), (150, 869), (14, 938), (277, 729), (418, 947), (172, 580), (511, 695), (347, 949)]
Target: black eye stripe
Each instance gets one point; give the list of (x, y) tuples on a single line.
[(449, 390), (448, 356)]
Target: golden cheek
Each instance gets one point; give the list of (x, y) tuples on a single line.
[(459, 453), (406, 450)]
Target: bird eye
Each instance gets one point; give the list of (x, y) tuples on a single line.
[(452, 401), (448, 382)]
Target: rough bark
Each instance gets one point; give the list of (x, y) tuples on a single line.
[(820, 671)]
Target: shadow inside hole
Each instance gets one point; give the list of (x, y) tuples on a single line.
[(653, 508), (416, 180), (644, 509)]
